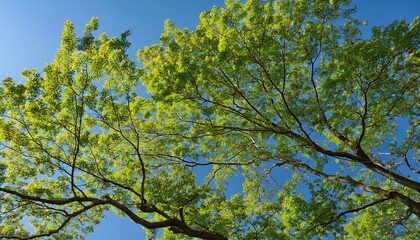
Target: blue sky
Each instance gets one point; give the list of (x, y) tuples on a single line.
[(30, 35)]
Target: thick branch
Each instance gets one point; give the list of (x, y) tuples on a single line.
[(176, 225), (410, 203)]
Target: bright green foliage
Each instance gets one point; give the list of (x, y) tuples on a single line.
[(269, 121)]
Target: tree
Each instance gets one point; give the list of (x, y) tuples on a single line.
[(318, 124)]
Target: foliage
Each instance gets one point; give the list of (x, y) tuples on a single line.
[(319, 125)]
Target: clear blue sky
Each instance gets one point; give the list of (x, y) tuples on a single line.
[(30, 33)]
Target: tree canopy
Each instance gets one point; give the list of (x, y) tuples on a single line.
[(272, 119)]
